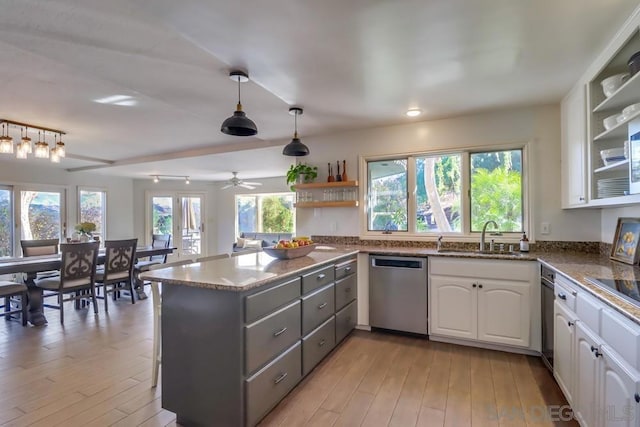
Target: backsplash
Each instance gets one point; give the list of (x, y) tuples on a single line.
[(542, 246)]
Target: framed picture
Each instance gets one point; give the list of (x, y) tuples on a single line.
[(625, 242)]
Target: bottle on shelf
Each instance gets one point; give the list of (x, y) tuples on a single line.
[(524, 243)]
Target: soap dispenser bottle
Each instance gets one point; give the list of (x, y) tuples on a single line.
[(524, 243)]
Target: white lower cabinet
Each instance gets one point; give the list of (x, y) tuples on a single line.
[(602, 385), (563, 348), (480, 300)]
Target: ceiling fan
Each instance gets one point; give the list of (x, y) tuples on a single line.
[(237, 182)]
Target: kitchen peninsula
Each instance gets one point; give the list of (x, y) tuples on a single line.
[(239, 333)]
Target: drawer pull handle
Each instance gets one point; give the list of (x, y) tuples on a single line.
[(574, 293), (321, 306), (347, 289), (321, 343), (280, 332), (347, 269), (570, 323), (280, 378), (321, 276), (562, 296), (637, 397)]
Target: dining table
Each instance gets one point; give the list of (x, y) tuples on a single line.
[(31, 266)]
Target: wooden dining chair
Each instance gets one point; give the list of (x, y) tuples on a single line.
[(13, 289), (157, 312), (158, 241), (39, 247), (120, 257), (77, 274)]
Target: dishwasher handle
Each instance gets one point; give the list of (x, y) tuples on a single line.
[(396, 263)]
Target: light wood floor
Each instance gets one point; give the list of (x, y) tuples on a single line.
[(95, 371)]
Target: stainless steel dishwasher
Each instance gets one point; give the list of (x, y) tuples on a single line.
[(398, 293)]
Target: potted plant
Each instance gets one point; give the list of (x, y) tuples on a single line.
[(303, 171)]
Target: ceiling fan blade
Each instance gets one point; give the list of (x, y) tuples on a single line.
[(251, 183), (227, 186), (248, 187)]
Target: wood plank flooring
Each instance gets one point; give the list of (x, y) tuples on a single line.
[(95, 371)]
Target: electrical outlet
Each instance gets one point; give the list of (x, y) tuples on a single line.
[(545, 228)]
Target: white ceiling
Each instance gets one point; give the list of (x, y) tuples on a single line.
[(350, 64)]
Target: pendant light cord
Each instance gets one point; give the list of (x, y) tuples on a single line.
[(295, 121)]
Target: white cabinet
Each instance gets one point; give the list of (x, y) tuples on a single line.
[(619, 392), (504, 311), (586, 375), (563, 348), (483, 300), (574, 148), (454, 307)]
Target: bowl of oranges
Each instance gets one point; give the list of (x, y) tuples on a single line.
[(289, 249)]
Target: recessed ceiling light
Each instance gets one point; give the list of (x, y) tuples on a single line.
[(123, 100), (413, 112)]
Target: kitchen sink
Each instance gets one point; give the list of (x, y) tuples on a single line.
[(478, 252)]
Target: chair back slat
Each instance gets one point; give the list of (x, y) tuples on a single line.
[(78, 264), (39, 247), (160, 241), (120, 258)]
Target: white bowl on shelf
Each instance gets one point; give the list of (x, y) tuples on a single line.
[(611, 121), (630, 110), (612, 155), (611, 84)]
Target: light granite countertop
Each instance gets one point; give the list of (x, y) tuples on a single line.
[(249, 271), (244, 272)]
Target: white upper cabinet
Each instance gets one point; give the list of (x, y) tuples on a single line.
[(574, 148)]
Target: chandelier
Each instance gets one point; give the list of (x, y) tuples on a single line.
[(41, 149)]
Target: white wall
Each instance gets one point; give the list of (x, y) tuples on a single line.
[(119, 192), (540, 125), (610, 220)]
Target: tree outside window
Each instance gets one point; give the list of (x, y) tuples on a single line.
[(265, 213), (92, 208)]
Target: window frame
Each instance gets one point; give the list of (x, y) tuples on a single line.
[(105, 197), (258, 197), (12, 215), (17, 209), (465, 188)]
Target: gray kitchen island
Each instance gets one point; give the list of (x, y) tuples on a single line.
[(239, 333)]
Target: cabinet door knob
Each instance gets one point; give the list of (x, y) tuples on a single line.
[(570, 323), (474, 285), (637, 397), (562, 296), (581, 199), (480, 286)]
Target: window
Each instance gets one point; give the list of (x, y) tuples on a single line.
[(6, 222), (423, 193), (92, 207), (496, 190), (265, 213), (40, 215), (162, 212)]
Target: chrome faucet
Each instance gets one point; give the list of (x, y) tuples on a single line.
[(439, 244), (484, 229)]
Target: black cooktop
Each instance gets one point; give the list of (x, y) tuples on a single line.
[(627, 289)]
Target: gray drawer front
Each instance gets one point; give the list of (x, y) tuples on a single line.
[(264, 302), (265, 389), (269, 336), (318, 344), (317, 307), (346, 320), (346, 290), (346, 268), (317, 278)]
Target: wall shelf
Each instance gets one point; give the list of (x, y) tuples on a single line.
[(614, 166), (337, 184), (322, 204)]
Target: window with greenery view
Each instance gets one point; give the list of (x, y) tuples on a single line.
[(6, 222), (92, 207), (162, 214), (387, 184), (40, 216), (496, 190), (424, 193), (265, 213)]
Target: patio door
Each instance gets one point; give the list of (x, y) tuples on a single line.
[(181, 215)]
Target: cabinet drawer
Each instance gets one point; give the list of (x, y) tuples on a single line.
[(588, 310), (622, 335), (317, 307), (565, 293), (264, 302), (317, 278), (318, 344), (346, 320), (269, 336), (346, 290), (265, 389), (346, 268)]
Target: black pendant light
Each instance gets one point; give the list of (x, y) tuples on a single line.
[(239, 124), (295, 147)]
